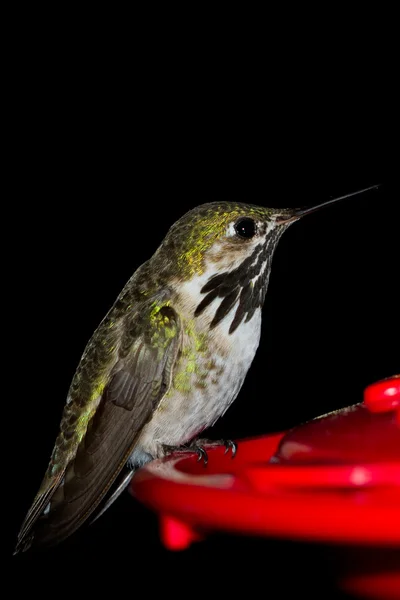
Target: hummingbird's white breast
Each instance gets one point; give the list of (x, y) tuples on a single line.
[(208, 375)]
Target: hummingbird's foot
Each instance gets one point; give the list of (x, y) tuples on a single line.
[(195, 446), (229, 445), (198, 447)]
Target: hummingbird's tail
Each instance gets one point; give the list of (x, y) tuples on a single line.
[(25, 536)]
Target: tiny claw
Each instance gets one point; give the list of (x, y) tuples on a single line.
[(230, 445), (202, 454)]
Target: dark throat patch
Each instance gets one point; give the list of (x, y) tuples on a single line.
[(236, 286)]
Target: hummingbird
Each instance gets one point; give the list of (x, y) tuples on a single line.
[(165, 363)]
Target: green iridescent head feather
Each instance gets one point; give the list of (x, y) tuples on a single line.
[(189, 238)]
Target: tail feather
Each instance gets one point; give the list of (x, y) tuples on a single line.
[(25, 536)]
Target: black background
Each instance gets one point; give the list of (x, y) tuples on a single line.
[(103, 159)]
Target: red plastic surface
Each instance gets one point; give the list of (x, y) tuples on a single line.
[(335, 479), (384, 395)]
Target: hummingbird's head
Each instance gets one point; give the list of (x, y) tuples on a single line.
[(221, 235), (224, 250)]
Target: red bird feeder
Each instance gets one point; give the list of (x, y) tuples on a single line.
[(335, 479)]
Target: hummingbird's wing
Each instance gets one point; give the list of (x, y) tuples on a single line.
[(139, 379)]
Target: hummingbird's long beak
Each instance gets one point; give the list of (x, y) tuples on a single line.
[(297, 213)]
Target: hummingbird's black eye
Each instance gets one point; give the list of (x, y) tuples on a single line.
[(245, 228)]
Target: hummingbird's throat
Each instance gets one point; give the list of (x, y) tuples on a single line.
[(240, 291)]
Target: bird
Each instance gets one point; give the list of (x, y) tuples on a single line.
[(165, 363)]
